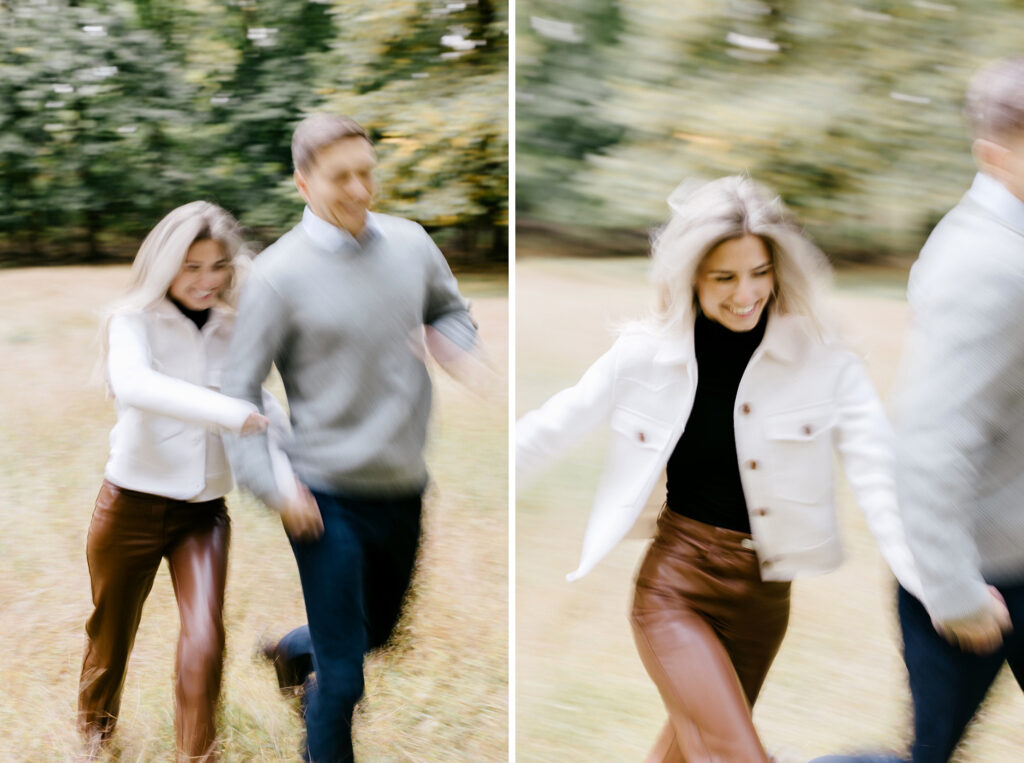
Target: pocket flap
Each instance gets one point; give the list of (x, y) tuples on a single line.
[(800, 425), (641, 429)]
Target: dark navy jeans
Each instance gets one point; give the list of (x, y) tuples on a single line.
[(354, 580), (946, 683)]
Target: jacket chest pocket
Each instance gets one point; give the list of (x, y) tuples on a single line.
[(800, 449), (635, 431)]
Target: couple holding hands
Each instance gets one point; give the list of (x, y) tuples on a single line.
[(344, 305), (736, 387), (738, 390)]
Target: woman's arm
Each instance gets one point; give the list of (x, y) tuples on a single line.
[(546, 432), (134, 382), (865, 442)]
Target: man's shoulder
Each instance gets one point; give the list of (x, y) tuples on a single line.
[(290, 243), (401, 230)]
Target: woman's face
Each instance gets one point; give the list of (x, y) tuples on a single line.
[(202, 276), (735, 282)]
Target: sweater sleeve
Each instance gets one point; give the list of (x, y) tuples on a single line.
[(445, 309), (959, 384), (135, 382), (260, 330)]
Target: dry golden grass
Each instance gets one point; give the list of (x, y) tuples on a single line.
[(581, 693), (440, 696)]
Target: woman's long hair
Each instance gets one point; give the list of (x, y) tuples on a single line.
[(162, 254), (704, 216)]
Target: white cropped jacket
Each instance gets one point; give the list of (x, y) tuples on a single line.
[(164, 375), (799, 398)]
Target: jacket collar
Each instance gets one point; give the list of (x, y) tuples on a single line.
[(165, 310), (783, 337)]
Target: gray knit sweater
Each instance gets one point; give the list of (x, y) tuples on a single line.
[(344, 325)]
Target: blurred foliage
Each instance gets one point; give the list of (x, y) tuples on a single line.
[(851, 110), (112, 113)]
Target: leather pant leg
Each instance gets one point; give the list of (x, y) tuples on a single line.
[(198, 565), (124, 549), (707, 630)]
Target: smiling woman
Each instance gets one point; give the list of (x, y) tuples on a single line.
[(164, 345), (735, 390)]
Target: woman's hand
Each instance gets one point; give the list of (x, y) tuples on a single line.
[(256, 423)]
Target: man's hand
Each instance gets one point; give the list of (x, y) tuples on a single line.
[(255, 423), (981, 633), (301, 516)]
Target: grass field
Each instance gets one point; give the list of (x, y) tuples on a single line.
[(441, 695), (582, 695)]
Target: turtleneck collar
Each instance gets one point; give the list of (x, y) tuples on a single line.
[(198, 317), (709, 334)]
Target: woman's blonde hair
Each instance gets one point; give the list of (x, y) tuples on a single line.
[(163, 252), (705, 215)]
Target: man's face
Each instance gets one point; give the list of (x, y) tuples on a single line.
[(339, 185)]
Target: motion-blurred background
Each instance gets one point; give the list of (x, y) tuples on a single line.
[(113, 113), (851, 109)]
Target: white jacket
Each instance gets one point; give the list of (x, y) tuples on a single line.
[(797, 399), (164, 374)]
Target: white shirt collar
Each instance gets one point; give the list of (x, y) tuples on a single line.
[(331, 237), (993, 196)]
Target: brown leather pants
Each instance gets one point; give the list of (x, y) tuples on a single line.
[(707, 629), (129, 534)]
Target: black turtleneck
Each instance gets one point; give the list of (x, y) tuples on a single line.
[(198, 317), (703, 472)]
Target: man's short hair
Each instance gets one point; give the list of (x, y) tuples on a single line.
[(318, 131), (995, 100)]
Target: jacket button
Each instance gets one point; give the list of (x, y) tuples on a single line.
[(745, 408), (752, 464), (766, 564), (640, 436), (807, 429), (761, 512)]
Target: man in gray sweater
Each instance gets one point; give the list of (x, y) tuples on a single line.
[(960, 434), (343, 304)]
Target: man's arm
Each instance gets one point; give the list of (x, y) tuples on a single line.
[(260, 328), (450, 331), (961, 363)]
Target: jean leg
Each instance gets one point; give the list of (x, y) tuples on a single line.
[(947, 684), (390, 563), (331, 572)]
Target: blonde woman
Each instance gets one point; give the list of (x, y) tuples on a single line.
[(736, 390), (163, 350)]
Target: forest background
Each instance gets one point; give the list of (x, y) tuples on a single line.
[(112, 112), (852, 110)]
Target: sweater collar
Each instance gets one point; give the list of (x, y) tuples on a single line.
[(991, 195), (334, 239)]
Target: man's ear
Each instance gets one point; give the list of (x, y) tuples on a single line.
[(300, 183), (989, 155)]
